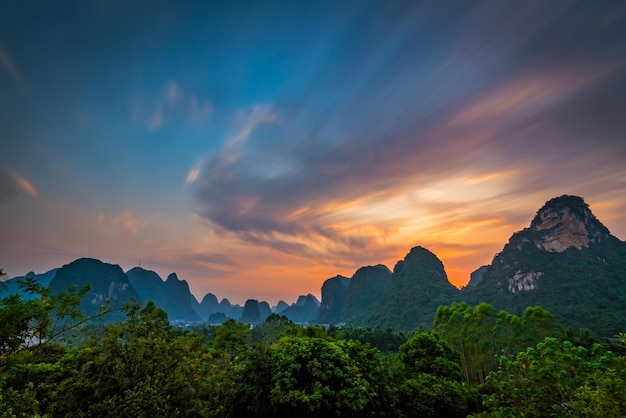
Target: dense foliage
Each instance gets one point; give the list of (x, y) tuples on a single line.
[(556, 379), (481, 334), (55, 362), (419, 285), (365, 290)]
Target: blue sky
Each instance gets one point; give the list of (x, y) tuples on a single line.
[(258, 148)]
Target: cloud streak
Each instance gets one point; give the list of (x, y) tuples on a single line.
[(128, 220), (361, 174), (9, 66), (11, 183), (174, 105)]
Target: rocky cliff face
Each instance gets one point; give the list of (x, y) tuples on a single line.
[(563, 223), (566, 222), (476, 276), (333, 297), (567, 261)]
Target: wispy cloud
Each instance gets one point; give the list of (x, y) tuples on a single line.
[(128, 220), (245, 122), (173, 105), (248, 120), (529, 95), (9, 66), (156, 120), (11, 182), (192, 175)]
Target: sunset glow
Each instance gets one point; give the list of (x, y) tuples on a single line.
[(257, 151)]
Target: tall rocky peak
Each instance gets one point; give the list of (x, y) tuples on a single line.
[(173, 295), (419, 284), (107, 281), (255, 312), (225, 305), (173, 278), (365, 289), (210, 300), (422, 259), (306, 309), (233, 311), (251, 313), (306, 299), (265, 310), (334, 292), (178, 291), (566, 222), (181, 287), (566, 262), (563, 223), (146, 282), (208, 306), (280, 306)]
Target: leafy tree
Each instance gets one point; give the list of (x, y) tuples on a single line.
[(539, 324), (426, 353), (386, 340), (271, 329), (15, 318), (219, 392), (375, 370), (428, 396), (31, 332), (315, 377), (430, 383), (22, 403), (231, 337), (481, 334), (252, 377), (558, 379), (36, 322), (138, 368), (313, 331)]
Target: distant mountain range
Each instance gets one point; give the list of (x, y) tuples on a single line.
[(566, 261), (109, 284)]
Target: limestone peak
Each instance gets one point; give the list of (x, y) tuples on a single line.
[(565, 222)]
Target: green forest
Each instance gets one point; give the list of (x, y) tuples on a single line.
[(476, 361)]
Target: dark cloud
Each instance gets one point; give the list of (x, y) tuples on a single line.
[(471, 90)]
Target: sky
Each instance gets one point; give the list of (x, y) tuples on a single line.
[(259, 148)]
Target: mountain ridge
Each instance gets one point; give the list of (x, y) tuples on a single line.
[(565, 261)]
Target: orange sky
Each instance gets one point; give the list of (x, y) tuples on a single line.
[(258, 151)]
